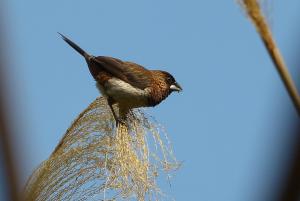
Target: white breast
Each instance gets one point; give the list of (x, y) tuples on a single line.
[(124, 93)]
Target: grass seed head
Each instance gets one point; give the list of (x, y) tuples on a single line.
[(94, 159)]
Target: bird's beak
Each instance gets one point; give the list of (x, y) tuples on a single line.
[(176, 87)]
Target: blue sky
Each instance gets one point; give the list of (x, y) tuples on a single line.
[(230, 124)]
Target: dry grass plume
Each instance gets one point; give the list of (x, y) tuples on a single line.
[(97, 161)]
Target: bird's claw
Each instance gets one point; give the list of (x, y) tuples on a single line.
[(120, 121)]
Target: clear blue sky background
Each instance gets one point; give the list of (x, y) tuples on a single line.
[(229, 124)]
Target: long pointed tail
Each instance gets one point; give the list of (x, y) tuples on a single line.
[(76, 47)]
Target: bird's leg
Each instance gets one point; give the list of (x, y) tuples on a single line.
[(117, 119)]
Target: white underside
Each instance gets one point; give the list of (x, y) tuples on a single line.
[(124, 93)]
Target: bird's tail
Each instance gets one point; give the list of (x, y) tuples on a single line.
[(75, 46)]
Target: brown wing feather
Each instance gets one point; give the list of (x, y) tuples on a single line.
[(130, 72)]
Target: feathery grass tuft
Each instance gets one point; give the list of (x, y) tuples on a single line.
[(97, 161)]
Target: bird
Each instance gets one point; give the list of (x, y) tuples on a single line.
[(127, 84)]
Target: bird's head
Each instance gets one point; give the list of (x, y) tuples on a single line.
[(170, 82)]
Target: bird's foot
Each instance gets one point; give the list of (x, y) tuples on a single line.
[(120, 121)]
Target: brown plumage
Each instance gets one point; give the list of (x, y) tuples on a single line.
[(127, 84)]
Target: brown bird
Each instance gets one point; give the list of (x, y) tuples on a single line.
[(127, 84)]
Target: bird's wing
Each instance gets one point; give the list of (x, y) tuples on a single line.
[(129, 72)]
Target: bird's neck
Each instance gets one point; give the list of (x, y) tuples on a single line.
[(158, 93)]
